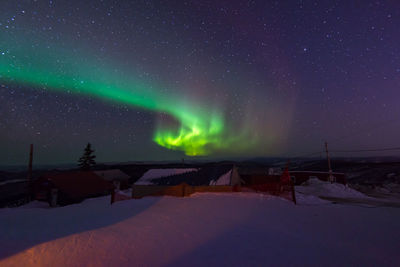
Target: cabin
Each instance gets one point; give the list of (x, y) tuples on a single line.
[(65, 188), (269, 183), (186, 181), (118, 178), (204, 176)]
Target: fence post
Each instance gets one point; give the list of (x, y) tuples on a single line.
[(53, 197), (112, 195), (293, 193)]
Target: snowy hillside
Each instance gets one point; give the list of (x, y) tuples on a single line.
[(226, 229)]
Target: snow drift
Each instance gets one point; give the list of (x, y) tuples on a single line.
[(316, 187), (208, 229)]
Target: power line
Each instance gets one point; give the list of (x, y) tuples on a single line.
[(307, 155), (300, 156), (366, 150), (363, 130), (346, 151)]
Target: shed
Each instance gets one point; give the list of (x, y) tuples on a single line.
[(115, 176), (72, 187)]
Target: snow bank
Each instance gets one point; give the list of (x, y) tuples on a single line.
[(304, 199), (127, 192), (158, 173), (209, 229), (35, 205), (316, 187)]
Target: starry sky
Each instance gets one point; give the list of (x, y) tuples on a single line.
[(165, 80)]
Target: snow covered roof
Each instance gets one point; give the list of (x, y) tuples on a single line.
[(224, 179), (151, 174), (203, 176)]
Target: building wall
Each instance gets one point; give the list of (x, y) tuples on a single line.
[(235, 177), (182, 190)]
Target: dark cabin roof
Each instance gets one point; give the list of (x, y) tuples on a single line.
[(196, 178), (77, 184)]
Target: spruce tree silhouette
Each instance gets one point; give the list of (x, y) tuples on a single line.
[(87, 160)]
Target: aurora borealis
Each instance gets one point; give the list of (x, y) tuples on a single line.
[(156, 80), (199, 133)]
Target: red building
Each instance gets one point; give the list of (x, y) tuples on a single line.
[(70, 187)]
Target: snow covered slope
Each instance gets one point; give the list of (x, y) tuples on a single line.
[(226, 229), (317, 187)]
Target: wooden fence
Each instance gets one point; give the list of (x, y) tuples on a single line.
[(184, 190)]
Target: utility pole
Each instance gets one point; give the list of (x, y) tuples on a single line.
[(30, 164), (30, 185), (329, 163), (291, 184)]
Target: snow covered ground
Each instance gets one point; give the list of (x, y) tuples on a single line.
[(207, 229), (389, 191), (316, 187)]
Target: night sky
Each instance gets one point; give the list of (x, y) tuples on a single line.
[(163, 80)]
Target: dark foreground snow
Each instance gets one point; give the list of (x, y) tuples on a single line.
[(239, 229)]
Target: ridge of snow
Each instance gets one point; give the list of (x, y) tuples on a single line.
[(316, 187)]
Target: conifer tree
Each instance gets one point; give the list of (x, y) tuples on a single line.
[(87, 160)]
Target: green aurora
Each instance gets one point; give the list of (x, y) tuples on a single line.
[(200, 131)]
